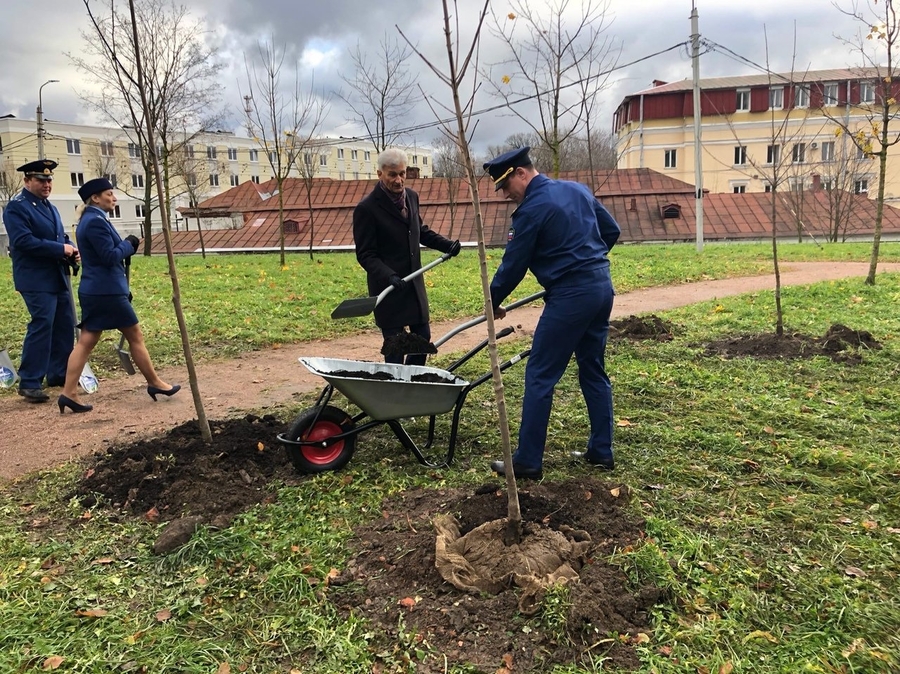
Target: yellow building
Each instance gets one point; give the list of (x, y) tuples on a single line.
[(758, 129), (205, 165)]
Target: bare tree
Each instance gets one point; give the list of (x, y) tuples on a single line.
[(307, 163), (558, 66), (281, 121), (197, 177), (10, 182), (382, 92), (180, 79), (875, 43), (448, 165), (577, 153)]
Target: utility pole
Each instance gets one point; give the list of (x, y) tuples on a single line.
[(698, 158), (40, 120)]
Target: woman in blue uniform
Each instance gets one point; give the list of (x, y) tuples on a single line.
[(104, 294)]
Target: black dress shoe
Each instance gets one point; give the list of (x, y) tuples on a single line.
[(34, 395), (602, 464), (519, 471)]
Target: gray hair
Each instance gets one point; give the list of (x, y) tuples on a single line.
[(391, 157)]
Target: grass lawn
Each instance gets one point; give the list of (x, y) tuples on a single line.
[(770, 489)]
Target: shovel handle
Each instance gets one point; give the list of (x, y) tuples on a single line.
[(483, 318), (410, 277)]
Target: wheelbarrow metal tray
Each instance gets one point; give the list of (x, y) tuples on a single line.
[(394, 398)]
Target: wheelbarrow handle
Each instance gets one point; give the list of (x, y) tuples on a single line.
[(483, 318), (410, 277)]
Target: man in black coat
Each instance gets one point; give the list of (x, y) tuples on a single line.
[(388, 231)]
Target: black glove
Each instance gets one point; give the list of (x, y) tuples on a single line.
[(455, 247), (130, 298), (398, 283), (134, 241)]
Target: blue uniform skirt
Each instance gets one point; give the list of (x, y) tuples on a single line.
[(106, 312)]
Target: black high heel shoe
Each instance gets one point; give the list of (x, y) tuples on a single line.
[(77, 408), (152, 391)]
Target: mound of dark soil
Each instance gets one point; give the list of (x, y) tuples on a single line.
[(641, 327), (406, 343), (179, 474), (392, 580), (840, 343)]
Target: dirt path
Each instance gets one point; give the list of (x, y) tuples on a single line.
[(36, 436)]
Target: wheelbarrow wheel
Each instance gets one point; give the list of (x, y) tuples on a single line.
[(331, 421)]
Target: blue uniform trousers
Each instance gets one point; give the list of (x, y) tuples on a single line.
[(575, 320), (48, 339)]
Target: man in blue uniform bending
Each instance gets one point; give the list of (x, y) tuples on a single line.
[(562, 234)]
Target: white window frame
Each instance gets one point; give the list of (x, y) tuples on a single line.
[(828, 150), (670, 158), (77, 179), (189, 151), (116, 213), (773, 154), (112, 178), (73, 146), (235, 180), (323, 160), (211, 152), (137, 180), (134, 151), (798, 153), (776, 98), (107, 148), (139, 211), (254, 179), (424, 160), (742, 100), (830, 94), (368, 155), (191, 179), (801, 96), (354, 154), (213, 179), (740, 155), (739, 187), (866, 91), (340, 153), (254, 155), (861, 186), (232, 153)]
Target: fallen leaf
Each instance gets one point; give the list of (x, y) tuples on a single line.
[(665, 651), (91, 613), (615, 491), (103, 560), (641, 638), (845, 520), (260, 446), (726, 668), (224, 668), (152, 515), (53, 662), (654, 487), (769, 430), (855, 572), (623, 423), (507, 660), (869, 524), (86, 515), (407, 602), (760, 634), (893, 530), (163, 615)]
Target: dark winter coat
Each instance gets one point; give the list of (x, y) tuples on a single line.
[(388, 245)]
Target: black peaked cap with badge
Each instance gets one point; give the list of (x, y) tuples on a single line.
[(39, 168), (500, 168)]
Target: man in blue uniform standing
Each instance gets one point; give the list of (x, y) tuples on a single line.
[(41, 251), (562, 234)]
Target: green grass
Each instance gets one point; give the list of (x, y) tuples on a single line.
[(769, 490)]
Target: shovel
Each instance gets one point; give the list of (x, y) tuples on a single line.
[(121, 352), (362, 306), (8, 374), (88, 379)]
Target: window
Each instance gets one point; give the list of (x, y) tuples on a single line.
[(866, 93), (795, 184), (235, 180), (415, 160), (341, 176), (830, 94), (861, 154), (106, 148), (356, 175), (273, 158), (798, 154), (670, 159), (139, 210), (773, 154), (77, 179), (861, 186), (353, 154), (73, 146), (189, 151), (117, 213), (827, 184), (323, 160), (254, 155), (739, 188), (134, 151), (137, 180), (776, 98), (111, 177), (192, 179), (213, 179), (740, 155), (743, 100), (232, 153), (828, 151), (254, 179), (801, 96), (368, 155), (210, 151), (340, 153), (424, 161)]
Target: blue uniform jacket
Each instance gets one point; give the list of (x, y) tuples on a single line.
[(559, 231), (103, 253), (36, 244)]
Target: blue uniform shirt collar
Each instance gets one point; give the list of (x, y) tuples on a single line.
[(98, 210)]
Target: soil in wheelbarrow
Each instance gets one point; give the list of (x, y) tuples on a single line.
[(389, 576), (426, 377)]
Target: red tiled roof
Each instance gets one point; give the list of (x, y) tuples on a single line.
[(637, 199)]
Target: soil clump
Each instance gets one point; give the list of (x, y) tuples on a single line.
[(840, 343)]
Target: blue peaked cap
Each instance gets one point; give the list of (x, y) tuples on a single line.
[(500, 168)]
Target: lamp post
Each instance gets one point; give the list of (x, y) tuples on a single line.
[(40, 120)]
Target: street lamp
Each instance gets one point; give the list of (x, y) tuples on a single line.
[(40, 120)]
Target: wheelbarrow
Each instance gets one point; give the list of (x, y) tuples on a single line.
[(323, 437)]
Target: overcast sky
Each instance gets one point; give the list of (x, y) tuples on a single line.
[(34, 41)]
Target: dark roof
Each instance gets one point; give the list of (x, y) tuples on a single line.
[(637, 199)]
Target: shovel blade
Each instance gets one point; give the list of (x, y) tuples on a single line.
[(361, 306), (125, 361)]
